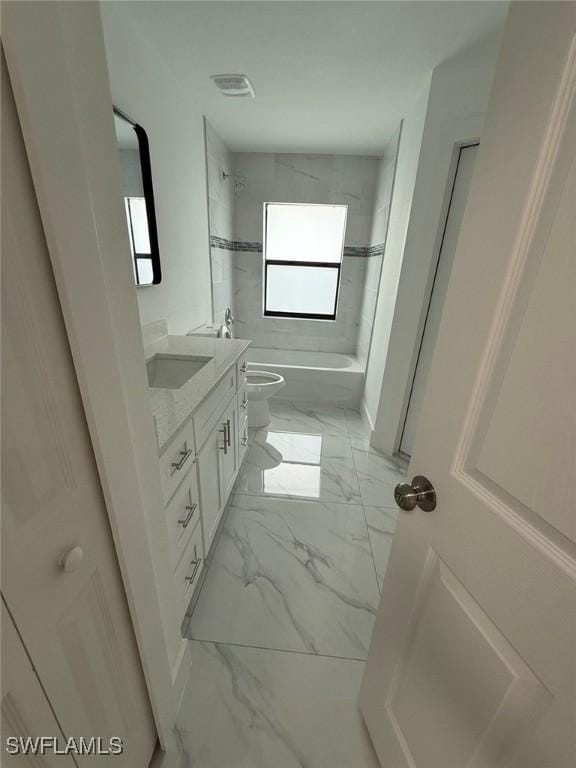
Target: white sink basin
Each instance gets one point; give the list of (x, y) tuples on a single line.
[(173, 371)]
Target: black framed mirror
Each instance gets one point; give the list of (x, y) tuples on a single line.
[(138, 198)]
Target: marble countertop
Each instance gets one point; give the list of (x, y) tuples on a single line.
[(172, 407)]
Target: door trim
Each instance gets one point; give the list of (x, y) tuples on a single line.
[(449, 196), (56, 61)]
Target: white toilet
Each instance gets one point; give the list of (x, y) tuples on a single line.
[(261, 386)]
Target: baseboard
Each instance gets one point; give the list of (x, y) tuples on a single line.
[(364, 410), (181, 670)]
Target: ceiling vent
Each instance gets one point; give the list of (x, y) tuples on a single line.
[(237, 86)]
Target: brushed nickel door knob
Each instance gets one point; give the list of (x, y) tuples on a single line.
[(419, 493)]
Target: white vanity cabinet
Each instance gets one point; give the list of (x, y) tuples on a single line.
[(217, 469), (198, 469), (229, 453), (209, 481)]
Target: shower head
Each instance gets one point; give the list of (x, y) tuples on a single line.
[(238, 185)]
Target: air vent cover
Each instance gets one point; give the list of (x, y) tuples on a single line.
[(234, 85)]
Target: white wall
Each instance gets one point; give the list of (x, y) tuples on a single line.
[(221, 201), (458, 96), (144, 89), (406, 168), (379, 231)]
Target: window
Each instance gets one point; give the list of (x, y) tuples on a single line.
[(139, 239), (303, 246)]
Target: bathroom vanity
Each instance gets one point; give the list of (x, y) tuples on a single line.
[(199, 403)]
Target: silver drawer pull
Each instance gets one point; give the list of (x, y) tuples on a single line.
[(245, 403), (244, 367), (196, 564), (184, 455), (225, 446), (191, 510)]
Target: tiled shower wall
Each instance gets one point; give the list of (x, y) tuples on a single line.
[(236, 232), (379, 230), (219, 159), (302, 179)]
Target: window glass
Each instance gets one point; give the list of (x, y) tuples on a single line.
[(139, 224), (145, 271), (304, 244), (301, 290), (312, 233)]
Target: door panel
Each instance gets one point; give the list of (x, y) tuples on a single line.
[(524, 439), (472, 658), (75, 625), (468, 713), (25, 709)]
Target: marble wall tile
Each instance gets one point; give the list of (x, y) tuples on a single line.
[(337, 179), (219, 159), (378, 234), (284, 333)]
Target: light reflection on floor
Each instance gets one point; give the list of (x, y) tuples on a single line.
[(299, 470)]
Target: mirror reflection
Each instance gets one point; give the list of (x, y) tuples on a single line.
[(138, 199)]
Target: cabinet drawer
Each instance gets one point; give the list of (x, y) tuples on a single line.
[(208, 413), (183, 515), (176, 460), (188, 571)]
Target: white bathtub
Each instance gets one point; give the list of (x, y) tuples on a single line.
[(312, 375)]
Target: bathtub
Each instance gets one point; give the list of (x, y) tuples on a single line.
[(312, 375)]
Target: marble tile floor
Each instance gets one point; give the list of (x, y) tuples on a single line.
[(282, 626)]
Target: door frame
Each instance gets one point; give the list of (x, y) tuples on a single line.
[(415, 288), (426, 304), (57, 66)]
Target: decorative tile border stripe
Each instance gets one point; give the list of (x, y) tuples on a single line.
[(376, 250), (234, 245), (242, 245), (355, 250), (221, 242), (245, 246)]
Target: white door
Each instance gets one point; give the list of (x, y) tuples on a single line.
[(73, 621), (473, 657), (26, 712), (458, 197)]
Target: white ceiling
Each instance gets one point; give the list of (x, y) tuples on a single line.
[(329, 76)]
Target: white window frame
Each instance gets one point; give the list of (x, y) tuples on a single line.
[(336, 265)]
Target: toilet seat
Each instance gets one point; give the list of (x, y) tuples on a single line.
[(263, 384), (260, 387)]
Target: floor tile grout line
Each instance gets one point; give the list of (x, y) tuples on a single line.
[(371, 548), (300, 498), (304, 499), (279, 650)]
